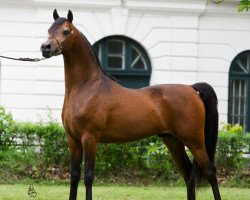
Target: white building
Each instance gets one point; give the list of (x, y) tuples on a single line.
[(186, 41)]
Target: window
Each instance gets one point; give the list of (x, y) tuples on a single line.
[(116, 55), (124, 59), (239, 91)]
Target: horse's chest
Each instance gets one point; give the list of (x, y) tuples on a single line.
[(83, 118)]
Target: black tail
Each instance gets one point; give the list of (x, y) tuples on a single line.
[(210, 101)]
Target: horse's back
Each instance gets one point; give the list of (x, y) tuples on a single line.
[(152, 110)]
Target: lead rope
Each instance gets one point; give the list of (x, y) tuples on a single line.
[(38, 59), (24, 59)]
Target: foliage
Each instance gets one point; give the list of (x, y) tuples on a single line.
[(113, 157), (16, 164), (158, 158), (148, 156), (48, 139), (31, 149), (232, 145), (217, 1), (230, 150), (39, 150), (7, 129), (236, 129), (243, 5)]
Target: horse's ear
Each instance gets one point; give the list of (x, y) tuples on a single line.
[(55, 14), (70, 16)]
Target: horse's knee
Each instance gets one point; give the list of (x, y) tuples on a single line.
[(75, 176), (88, 178)]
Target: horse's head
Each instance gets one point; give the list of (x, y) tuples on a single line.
[(60, 34)]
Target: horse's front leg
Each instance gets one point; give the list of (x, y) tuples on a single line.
[(89, 149), (76, 162)]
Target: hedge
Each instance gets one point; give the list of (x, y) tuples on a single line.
[(39, 150)]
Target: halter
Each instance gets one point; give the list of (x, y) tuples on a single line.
[(60, 44)]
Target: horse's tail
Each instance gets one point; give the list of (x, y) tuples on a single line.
[(210, 101)]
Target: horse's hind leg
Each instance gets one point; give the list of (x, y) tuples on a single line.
[(76, 162), (184, 165), (208, 168)]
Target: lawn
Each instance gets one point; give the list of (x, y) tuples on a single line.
[(60, 192)]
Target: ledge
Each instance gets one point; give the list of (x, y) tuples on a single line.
[(190, 6)]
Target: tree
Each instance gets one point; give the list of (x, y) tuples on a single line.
[(243, 4)]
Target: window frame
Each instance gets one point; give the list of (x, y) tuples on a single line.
[(128, 45), (239, 75)]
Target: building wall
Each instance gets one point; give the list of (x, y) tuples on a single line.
[(187, 41), (223, 34)]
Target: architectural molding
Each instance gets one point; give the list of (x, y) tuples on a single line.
[(186, 6)]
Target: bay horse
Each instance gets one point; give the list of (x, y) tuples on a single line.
[(98, 110)]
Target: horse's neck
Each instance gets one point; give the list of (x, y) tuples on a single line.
[(80, 64)]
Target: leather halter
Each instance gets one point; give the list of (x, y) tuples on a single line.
[(60, 44)]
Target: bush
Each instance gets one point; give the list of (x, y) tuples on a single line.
[(232, 144), (30, 149), (48, 139), (7, 129), (229, 151), (18, 164), (39, 150), (147, 154)]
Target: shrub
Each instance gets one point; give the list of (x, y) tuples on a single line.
[(236, 129), (36, 149), (16, 164), (29, 149), (232, 144), (7, 129), (48, 139), (229, 151), (158, 157)]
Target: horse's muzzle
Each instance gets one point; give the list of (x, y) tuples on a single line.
[(46, 50)]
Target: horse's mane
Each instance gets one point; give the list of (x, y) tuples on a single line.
[(90, 48)]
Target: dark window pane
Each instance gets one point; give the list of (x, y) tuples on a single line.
[(136, 59), (243, 87), (134, 54), (236, 92), (241, 64), (139, 64), (236, 68), (236, 112), (115, 62), (239, 102), (242, 107), (115, 47), (244, 60)]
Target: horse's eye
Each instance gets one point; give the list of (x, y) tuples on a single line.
[(66, 32)]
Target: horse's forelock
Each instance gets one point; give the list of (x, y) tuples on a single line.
[(59, 21)]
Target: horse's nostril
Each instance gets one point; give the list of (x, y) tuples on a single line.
[(46, 47)]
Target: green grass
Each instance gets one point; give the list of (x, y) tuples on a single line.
[(113, 192)]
